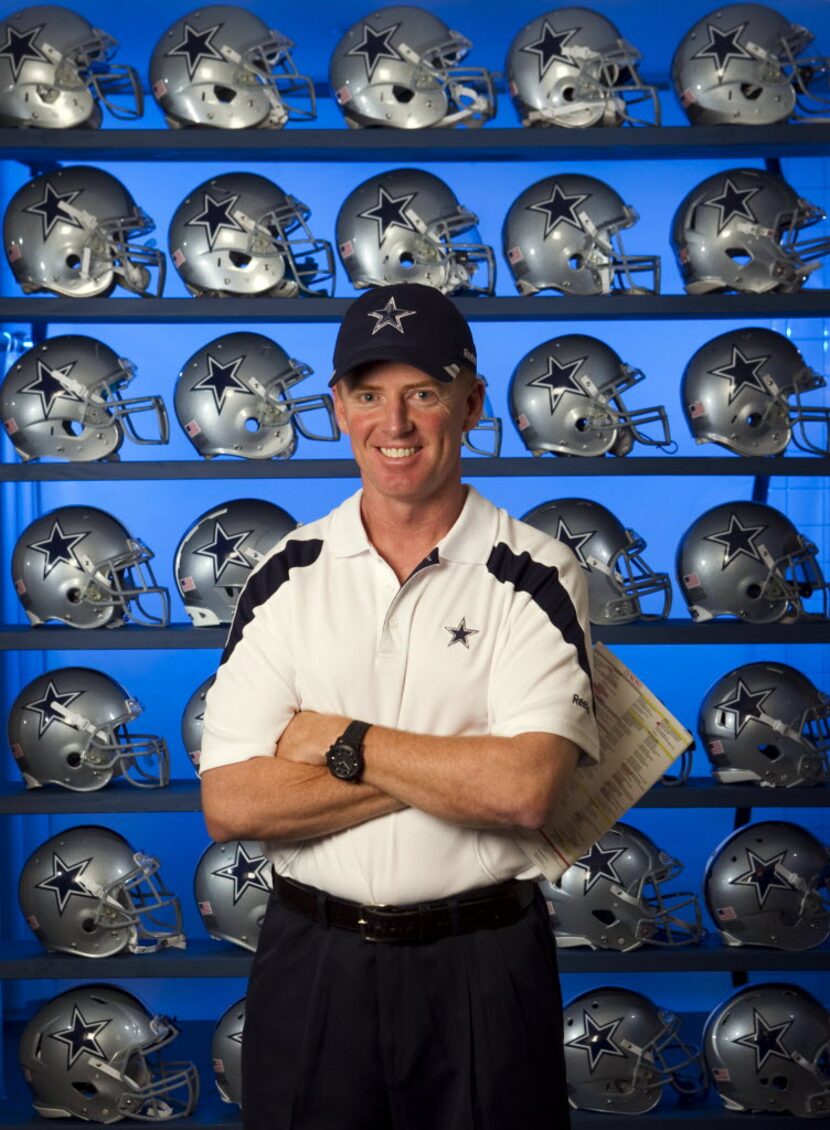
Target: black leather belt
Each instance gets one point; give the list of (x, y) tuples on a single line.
[(486, 908)]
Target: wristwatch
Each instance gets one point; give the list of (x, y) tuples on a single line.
[(345, 757)]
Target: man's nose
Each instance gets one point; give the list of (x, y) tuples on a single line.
[(397, 419)]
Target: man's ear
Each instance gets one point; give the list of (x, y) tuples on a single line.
[(475, 403), (339, 410)]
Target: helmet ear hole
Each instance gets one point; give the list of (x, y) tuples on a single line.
[(771, 752), (239, 259), (84, 1088), (604, 916), (224, 94), (751, 91), (402, 94), (739, 255), (252, 424)]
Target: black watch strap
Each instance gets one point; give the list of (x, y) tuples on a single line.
[(354, 734)]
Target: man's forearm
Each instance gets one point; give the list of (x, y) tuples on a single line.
[(268, 798)]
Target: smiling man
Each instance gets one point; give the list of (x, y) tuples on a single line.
[(406, 682)]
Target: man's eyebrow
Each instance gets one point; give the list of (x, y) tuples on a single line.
[(367, 386)]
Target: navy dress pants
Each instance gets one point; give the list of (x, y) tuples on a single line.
[(464, 1033)]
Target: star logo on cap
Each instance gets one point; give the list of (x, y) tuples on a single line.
[(195, 46), (597, 1039), (215, 217), (221, 379), (390, 315), (58, 548), (390, 212), (50, 211), (20, 48), (560, 208), (245, 872), (733, 202), (224, 550), (81, 1037), (742, 372), (65, 881), (598, 863), (460, 634), (738, 540), (560, 375), (49, 388), (744, 704), (376, 46), (763, 875), (550, 47), (766, 1039), (45, 707), (722, 47), (574, 542)]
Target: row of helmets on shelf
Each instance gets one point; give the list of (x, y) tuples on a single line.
[(86, 891), (403, 67), (75, 232), (237, 396), (762, 723), (762, 1048), (80, 566)]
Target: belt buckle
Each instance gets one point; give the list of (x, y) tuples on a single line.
[(365, 925)]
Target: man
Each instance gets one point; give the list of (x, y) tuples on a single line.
[(406, 682)]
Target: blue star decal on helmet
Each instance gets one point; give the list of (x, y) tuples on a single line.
[(224, 550), (20, 48), (764, 875), (723, 46), (215, 217), (598, 863), (550, 47), (766, 1039), (733, 203), (390, 212), (45, 707), (221, 379), (742, 372), (461, 633), (195, 46), (560, 208), (50, 211), (49, 387), (560, 375), (246, 872), (376, 46), (744, 704), (81, 1037), (597, 1039), (58, 548), (390, 315), (738, 541), (574, 541), (65, 881)]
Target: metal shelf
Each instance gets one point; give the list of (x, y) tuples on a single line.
[(255, 311), (496, 144), (184, 796), (472, 467), (22, 637)]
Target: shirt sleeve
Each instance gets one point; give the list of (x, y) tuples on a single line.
[(542, 676)]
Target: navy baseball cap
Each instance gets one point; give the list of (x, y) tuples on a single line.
[(406, 322)]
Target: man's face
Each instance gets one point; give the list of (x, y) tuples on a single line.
[(405, 428)]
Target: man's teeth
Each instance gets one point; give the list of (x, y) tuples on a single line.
[(397, 452)]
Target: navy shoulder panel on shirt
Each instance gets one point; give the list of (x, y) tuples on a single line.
[(266, 581), (543, 585)]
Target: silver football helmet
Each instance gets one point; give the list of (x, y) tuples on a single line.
[(747, 559), (73, 232), (766, 1048), (222, 66), (79, 565), (55, 72), (87, 891), (226, 1052), (618, 577), (240, 234), (69, 727), (92, 1053), (743, 391), (612, 897), (220, 551), (767, 724), (404, 226), (622, 1050), (740, 65), (768, 884), (63, 399), (231, 886), (740, 230), (400, 67), (235, 396), (565, 396), (564, 233), (193, 722), (570, 67)]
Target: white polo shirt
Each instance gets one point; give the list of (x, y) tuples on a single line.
[(489, 635)]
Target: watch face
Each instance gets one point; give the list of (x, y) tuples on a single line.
[(344, 762)]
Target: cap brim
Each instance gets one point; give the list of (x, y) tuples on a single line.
[(384, 353)]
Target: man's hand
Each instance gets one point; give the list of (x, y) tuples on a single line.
[(308, 736)]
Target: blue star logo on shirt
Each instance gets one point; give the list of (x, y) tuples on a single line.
[(461, 633), (246, 872)]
